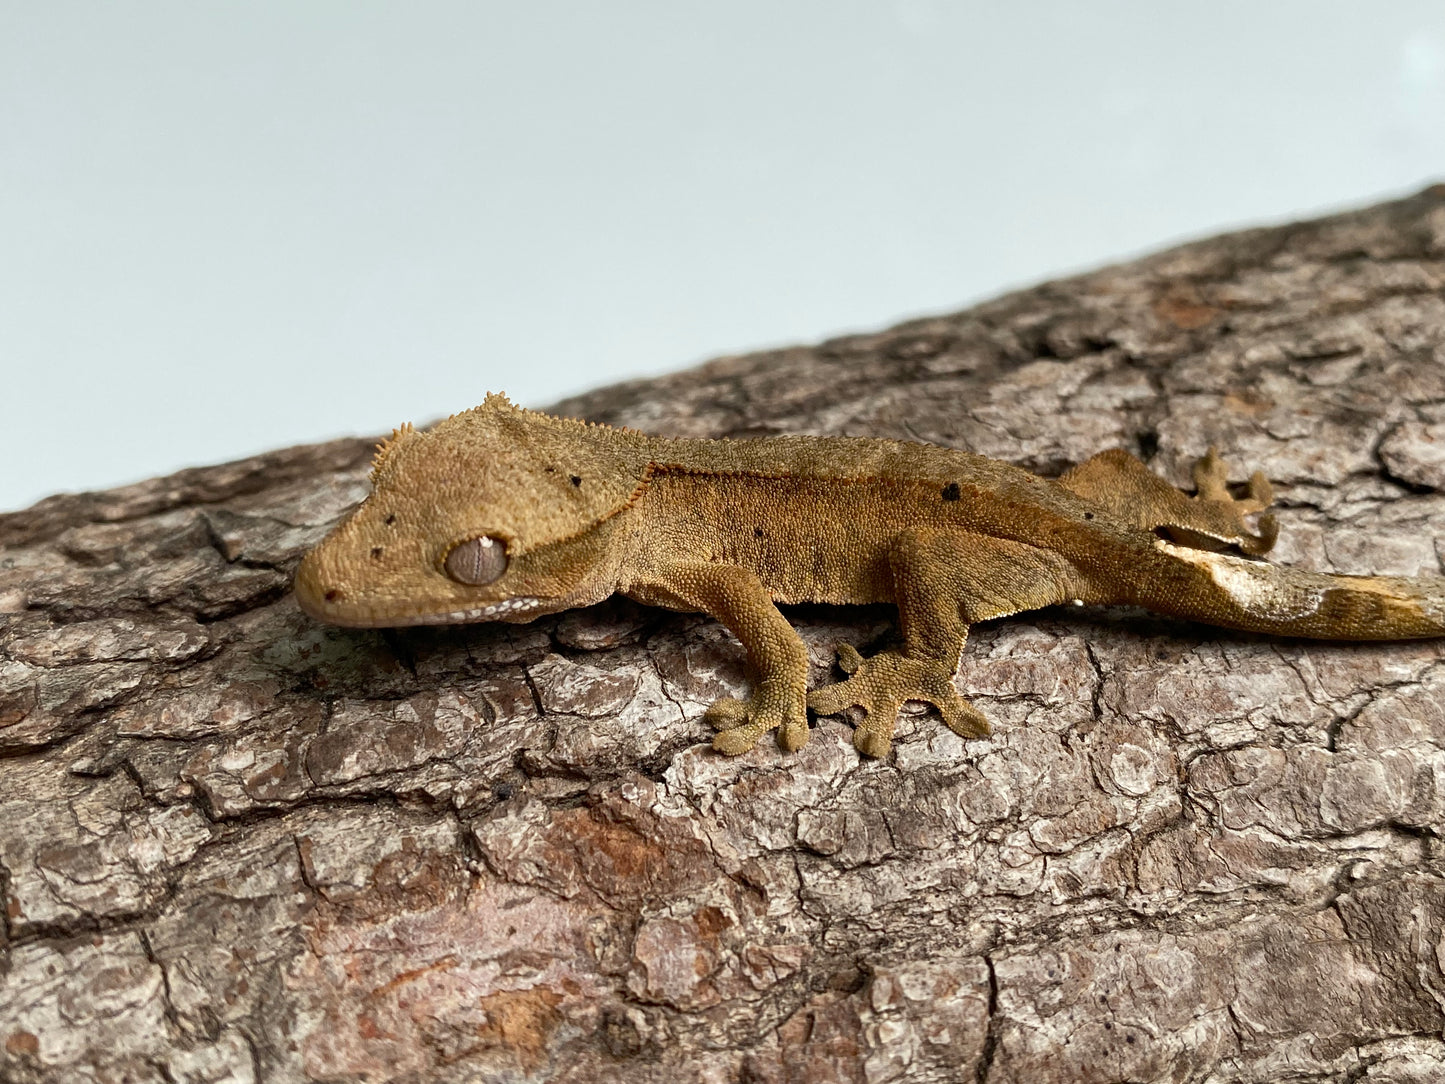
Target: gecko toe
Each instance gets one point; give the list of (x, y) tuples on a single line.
[(873, 736), (872, 742), (830, 699), (794, 733), (1261, 493), (1211, 476), (963, 718), (726, 713), (738, 739)]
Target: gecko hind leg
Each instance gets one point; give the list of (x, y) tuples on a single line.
[(1213, 519), (944, 579)]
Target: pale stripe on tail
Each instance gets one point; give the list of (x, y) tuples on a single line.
[(1259, 597)]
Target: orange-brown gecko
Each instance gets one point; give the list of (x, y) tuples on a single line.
[(503, 514)]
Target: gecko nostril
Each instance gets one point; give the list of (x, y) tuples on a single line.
[(332, 595)]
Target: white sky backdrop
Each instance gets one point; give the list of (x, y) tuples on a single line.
[(226, 227)]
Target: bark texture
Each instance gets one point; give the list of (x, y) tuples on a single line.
[(238, 846)]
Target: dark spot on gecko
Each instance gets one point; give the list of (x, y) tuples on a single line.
[(391, 519), (551, 470), (951, 491), (1148, 443), (1088, 515), (576, 481), (376, 552), (757, 532)]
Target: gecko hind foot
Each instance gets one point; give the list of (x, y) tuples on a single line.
[(881, 684), (1212, 519), (740, 724), (1211, 485)]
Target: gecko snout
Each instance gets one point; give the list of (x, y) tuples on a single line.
[(316, 591)]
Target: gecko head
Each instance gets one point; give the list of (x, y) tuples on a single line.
[(497, 513)]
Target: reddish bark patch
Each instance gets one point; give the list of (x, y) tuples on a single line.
[(23, 1044), (628, 856), (1183, 307), (523, 1022)]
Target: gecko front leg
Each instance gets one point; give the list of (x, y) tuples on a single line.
[(777, 659), (943, 581)]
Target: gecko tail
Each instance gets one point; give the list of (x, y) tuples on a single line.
[(1236, 592)]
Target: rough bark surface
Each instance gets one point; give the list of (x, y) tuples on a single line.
[(238, 846)]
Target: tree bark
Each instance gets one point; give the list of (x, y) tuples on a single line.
[(236, 845)]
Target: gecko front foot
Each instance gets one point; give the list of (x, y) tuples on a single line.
[(775, 705), (881, 684)]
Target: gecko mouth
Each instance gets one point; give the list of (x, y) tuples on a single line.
[(334, 609), (512, 607), (366, 617)]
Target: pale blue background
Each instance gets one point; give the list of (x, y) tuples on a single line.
[(230, 226)]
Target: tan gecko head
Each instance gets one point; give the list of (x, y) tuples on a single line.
[(497, 513)]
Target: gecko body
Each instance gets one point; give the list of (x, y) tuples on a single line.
[(506, 514)]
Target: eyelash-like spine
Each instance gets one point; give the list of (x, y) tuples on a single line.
[(385, 447)]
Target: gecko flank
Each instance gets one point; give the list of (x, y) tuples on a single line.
[(505, 514)]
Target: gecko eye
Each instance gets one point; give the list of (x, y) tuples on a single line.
[(477, 562)]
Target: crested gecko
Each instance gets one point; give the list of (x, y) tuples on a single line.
[(504, 514)]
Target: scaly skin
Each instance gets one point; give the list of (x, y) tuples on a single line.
[(505, 514)]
